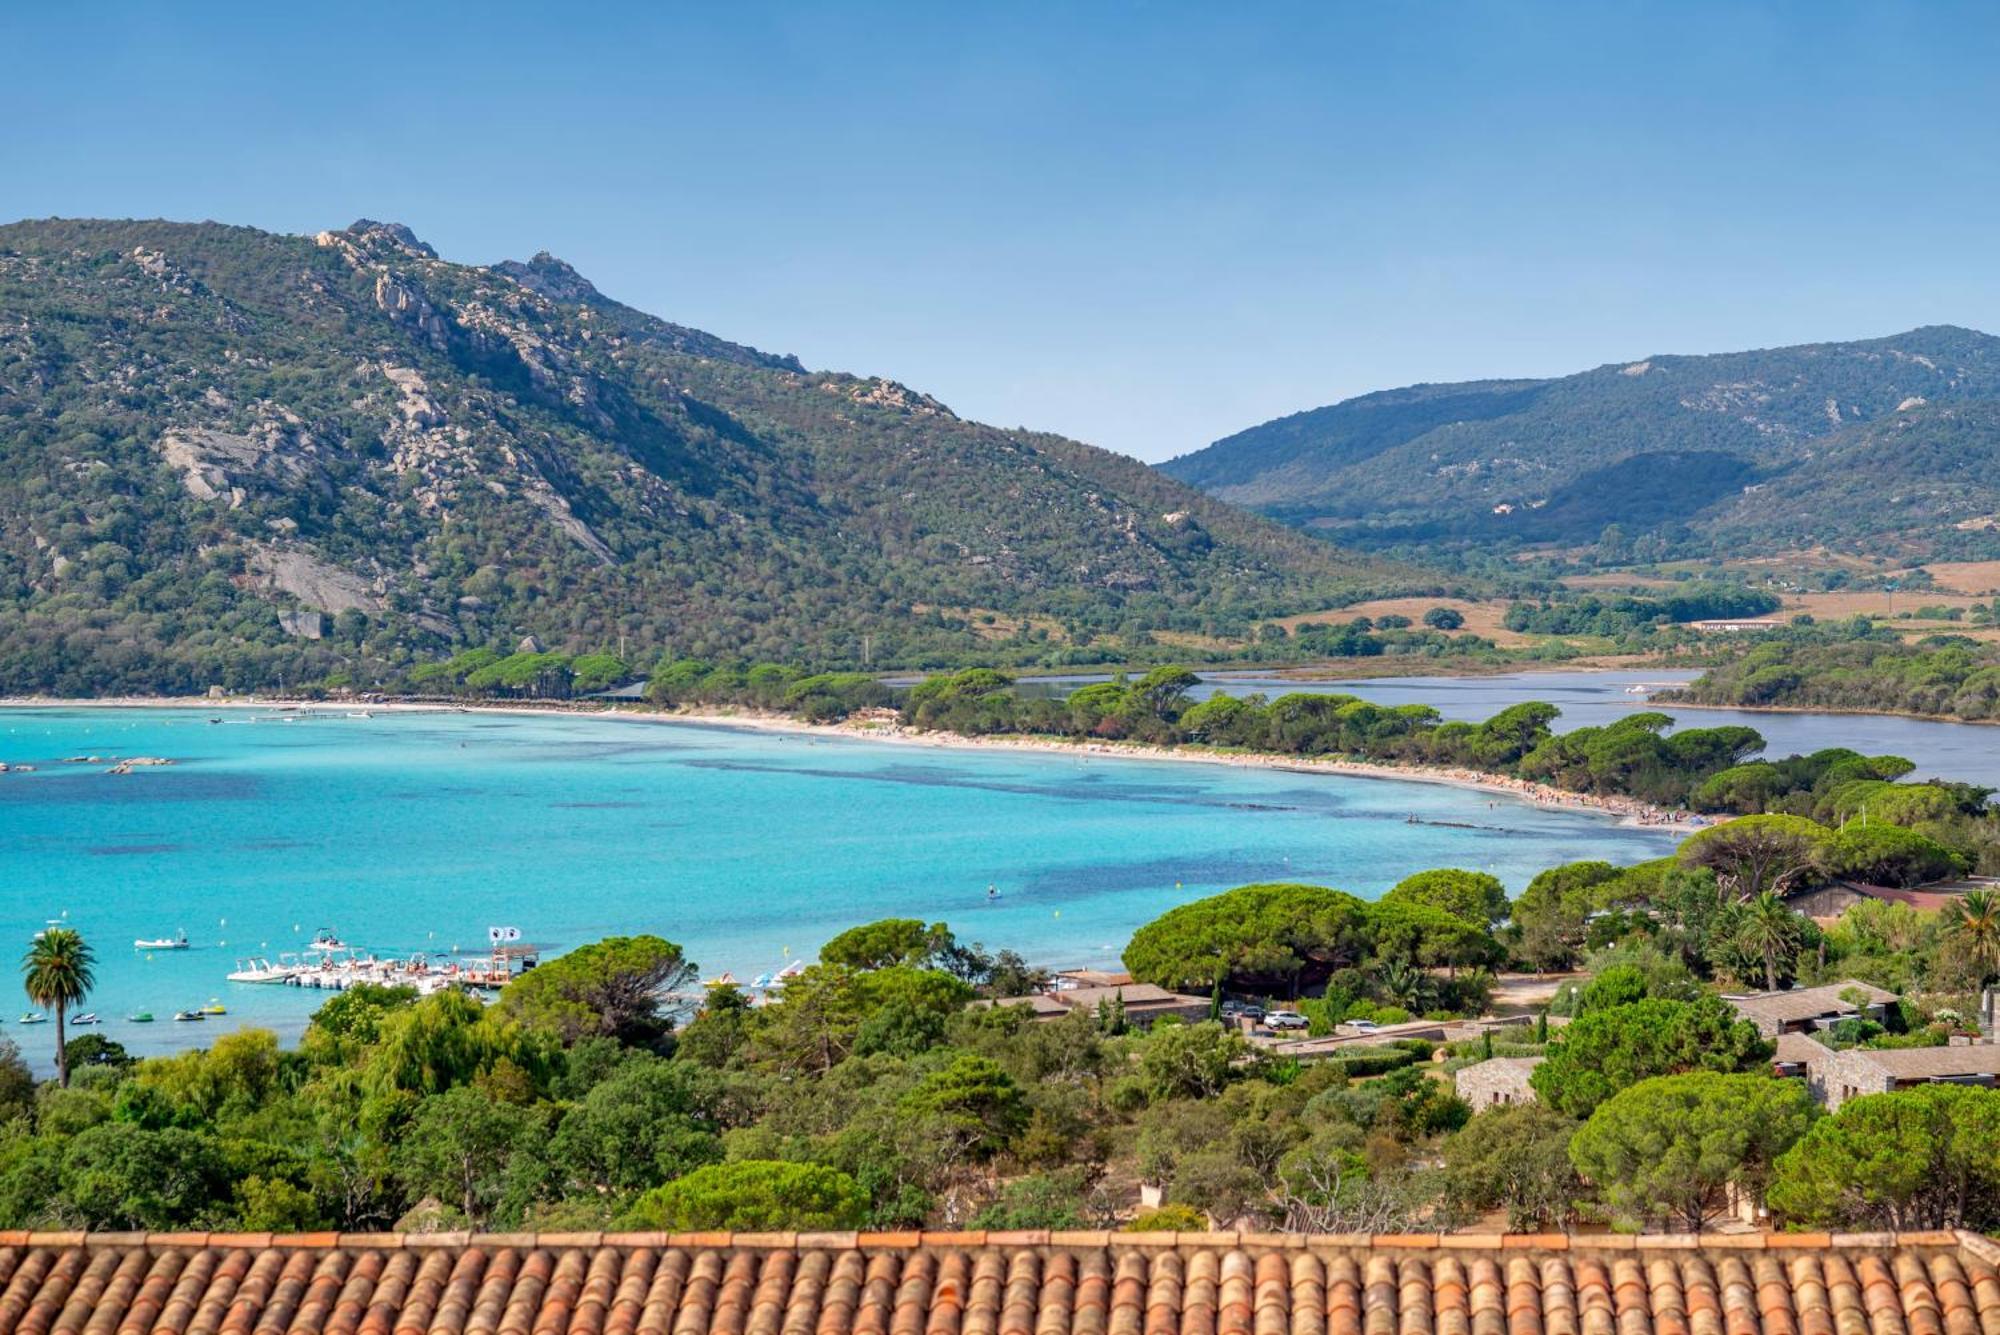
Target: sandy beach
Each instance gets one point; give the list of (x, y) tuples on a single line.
[(882, 726)]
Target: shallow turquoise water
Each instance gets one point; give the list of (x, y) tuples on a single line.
[(416, 832)]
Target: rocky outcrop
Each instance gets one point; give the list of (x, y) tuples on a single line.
[(880, 393), (313, 581), (547, 276), (221, 465)]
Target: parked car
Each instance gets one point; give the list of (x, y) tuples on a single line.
[(1286, 1020), (1232, 1009), (1362, 1026)]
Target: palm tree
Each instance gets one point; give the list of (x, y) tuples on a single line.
[(1976, 922), (1406, 985), (56, 973), (1768, 929)]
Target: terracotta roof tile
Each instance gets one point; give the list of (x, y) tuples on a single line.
[(1018, 1283)]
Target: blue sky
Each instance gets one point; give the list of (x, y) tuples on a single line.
[(1144, 225)]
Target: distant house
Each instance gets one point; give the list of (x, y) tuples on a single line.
[(1830, 901), (1737, 624), (1043, 1005), (1497, 1082), (1851, 1072), (1067, 978), (1798, 1056), (1143, 1003), (1802, 1010)]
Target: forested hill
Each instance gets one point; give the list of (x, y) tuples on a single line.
[(217, 444), (1890, 442)]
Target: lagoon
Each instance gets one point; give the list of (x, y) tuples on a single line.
[(411, 832), (1964, 751)]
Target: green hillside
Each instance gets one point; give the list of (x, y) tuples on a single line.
[(1732, 453), (231, 457)]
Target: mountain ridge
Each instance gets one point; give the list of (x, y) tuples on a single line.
[(1682, 436), (218, 442)]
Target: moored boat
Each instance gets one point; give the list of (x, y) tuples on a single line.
[(140, 1017), (33, 1017), (185, 1016), (87, 1018), (257, 969), (178, 941)]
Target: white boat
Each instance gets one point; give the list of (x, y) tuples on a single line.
[(87, 1018), (33, 1017), (260, 970), (178, 941)]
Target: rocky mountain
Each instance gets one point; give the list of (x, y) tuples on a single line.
[(1889, 443), (228, 456)]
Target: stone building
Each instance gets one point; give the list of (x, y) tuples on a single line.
[(1497, 1081), (1143, 1003), (1804, 1010), (1848, 1073)]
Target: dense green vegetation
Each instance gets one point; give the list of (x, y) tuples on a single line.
[(1943, 676), (1707, 769), (208, 431), (1614, 617), (1883, 445), (598, 1090)]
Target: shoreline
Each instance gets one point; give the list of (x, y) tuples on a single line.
[(1626, 812), (1951, 719)]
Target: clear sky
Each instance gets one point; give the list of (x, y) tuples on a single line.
[(1145, 225)]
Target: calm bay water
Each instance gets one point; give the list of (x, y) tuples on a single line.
[(415, 832), (1970, 752), (1966, 751)]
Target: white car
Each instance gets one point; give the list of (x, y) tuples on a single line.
[(1286, 1020), (1362, 1026)]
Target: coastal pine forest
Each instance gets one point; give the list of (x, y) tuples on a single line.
[(894, 1084)]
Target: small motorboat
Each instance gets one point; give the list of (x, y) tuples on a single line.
[(87, 1018), (140, 1017), (724, 979), (185, 1016), (257, 969), (33, 1017), (326, 939), (178, 941), (214, 1007)]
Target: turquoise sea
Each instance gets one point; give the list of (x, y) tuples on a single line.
[(417, 832)]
